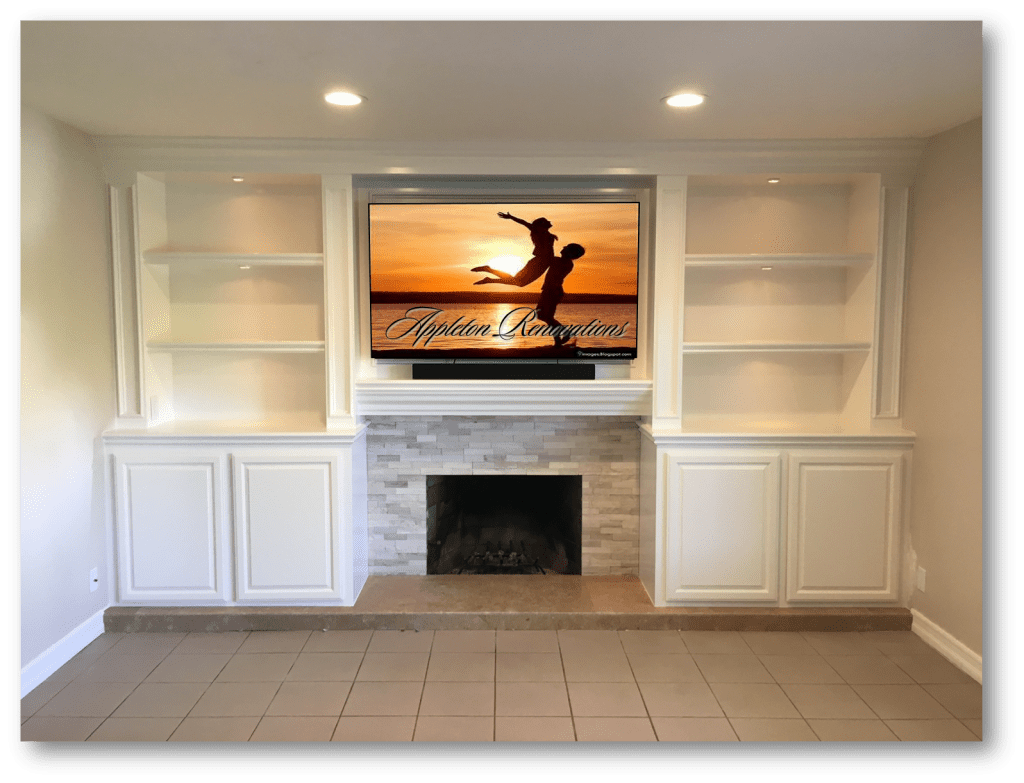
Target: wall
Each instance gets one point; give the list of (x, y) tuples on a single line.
[(402, 451), (67, 381), (942, 396)]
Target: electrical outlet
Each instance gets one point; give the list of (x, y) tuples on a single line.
[(94, 580), (920, 579)]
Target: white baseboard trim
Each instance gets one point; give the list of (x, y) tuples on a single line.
[(60, 652), (947, 645)]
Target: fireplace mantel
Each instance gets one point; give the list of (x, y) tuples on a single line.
[(612, 397)]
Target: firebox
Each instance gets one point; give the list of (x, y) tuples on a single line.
[(510, 524)]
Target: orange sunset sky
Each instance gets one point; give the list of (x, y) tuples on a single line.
[(433, 247)]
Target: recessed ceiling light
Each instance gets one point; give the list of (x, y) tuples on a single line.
[(774, 181), (342, 98), (685, 99), (238, 179)]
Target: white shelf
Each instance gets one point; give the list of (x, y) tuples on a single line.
[(756, 260), (772, 347), (283, 346), (180, 258)]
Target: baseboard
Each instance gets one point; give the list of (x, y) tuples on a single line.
[(947, 645), (60, 652)]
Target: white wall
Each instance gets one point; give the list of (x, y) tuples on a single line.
[(942, 395), (67, 380)]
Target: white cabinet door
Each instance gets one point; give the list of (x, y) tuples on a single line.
[(843, 531), (172, 520), (722, 526), (287, 526)]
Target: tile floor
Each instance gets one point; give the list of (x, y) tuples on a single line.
[(506, 686)]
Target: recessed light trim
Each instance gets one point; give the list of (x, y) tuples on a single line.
[(343, 98), (685, 100)]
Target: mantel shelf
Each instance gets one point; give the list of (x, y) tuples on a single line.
[(247, 346), (183, 258), (741, 260), (780, 347), (503, 398)]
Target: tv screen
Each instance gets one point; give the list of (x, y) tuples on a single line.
[(504, 280)]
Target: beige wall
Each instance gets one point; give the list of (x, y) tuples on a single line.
[(943, 381), (67, 380)]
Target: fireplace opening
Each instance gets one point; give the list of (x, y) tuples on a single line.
[(504, 524)]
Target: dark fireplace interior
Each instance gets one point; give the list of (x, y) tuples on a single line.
[(504, 524)]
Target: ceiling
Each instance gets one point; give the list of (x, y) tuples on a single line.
[(490, 81)]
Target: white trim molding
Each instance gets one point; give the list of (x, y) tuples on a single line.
[(36, 671), (947, 645)]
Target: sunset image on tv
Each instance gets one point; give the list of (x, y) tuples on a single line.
[(504, 280)]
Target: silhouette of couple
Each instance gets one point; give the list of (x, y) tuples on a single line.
[(544, 259)]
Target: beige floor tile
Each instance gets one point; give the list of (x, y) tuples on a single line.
[(931, 731), (777, 643), (529, 667), (274, 642), (851, 730), (237, 729), (121, 668), (235, 699), (714, 643), (400, 641), (302, 729), (202, 667), (897, 642), (533, 729), (102, 643), (901, 702), (753, 700), (868, 670), (665, 642), (974, 725), (297, 699), (840, 643), (464, 699), (392, 728), (531, 699), (257, 667), (732, 668), (526, 641), (146, 643), (161, 700), (930, 668), (86, 700), (590, 642), (73, 668), (135, 730), (463, 642), (393, 667), (773, 730), (800, 668), (454, 729), (227, 643), (680, 700), (384, 698), (461, 667), (43, 728), (614, 730), (606, 700), (42, 693), (596, 667), (337, 641), (963, 700), (325, 667), (827, 701), (661, 667), (693, 729)]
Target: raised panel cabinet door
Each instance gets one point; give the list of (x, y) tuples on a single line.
[(171, 520), (722, 526), (843, 532), (287, 527)]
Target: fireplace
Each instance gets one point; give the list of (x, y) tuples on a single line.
[(511, 524)]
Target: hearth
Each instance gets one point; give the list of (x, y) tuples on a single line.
[(511, 524)]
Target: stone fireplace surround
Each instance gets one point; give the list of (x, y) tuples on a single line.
[(403, 450)]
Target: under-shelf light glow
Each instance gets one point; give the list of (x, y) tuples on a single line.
[(685, 100), (342, 98)]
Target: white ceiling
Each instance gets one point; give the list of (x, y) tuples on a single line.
[(505, 81)]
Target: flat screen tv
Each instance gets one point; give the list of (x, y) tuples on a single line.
[(497, 281)]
